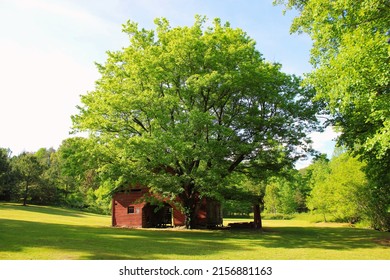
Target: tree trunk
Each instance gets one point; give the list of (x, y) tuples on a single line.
[(257, 216), (189, 209), (190, 216), (190, 205), (25, 194)]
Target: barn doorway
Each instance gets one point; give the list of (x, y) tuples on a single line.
[(155, 216)]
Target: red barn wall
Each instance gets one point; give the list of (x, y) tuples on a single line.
[(122, 200), (120, 203), (132, 197), (178, 217)]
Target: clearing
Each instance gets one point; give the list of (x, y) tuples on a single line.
[(50, 233)]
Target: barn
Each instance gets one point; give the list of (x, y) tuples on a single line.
[(131, 209)]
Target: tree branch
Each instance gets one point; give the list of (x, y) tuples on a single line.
[(236, 163)]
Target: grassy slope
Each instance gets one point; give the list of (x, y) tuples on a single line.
[(37, 232)]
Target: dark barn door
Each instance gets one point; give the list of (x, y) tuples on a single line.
[(214, 214), (156, 216)]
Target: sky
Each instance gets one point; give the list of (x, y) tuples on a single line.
[(48, 50)]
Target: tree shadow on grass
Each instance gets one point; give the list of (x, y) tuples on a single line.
[(42, 210), (84, 242), (96, 243), (342, 238)]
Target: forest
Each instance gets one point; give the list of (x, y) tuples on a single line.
[(337, 189)]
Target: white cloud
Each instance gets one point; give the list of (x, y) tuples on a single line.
[(323, 142)]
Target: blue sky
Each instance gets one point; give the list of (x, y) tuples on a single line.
[(48, 49)]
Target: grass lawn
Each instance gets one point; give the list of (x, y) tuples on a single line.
[(39, 232)]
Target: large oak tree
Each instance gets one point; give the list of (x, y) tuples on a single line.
[(181, 109)]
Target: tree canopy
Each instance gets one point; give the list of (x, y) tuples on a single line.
[(351, 50), (180, 109)]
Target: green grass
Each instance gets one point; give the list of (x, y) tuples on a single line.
[(38, 232)]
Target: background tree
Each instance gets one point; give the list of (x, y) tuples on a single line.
[(272, 198), (320, 195), (350, 182), (28, 170), (78, 163), (242, 196), (181, 109), (237, 208), (6, 175), (47, 190), (339, 189), (352, 74), (286, 193)]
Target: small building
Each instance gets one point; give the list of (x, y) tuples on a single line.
[(131, 209)]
